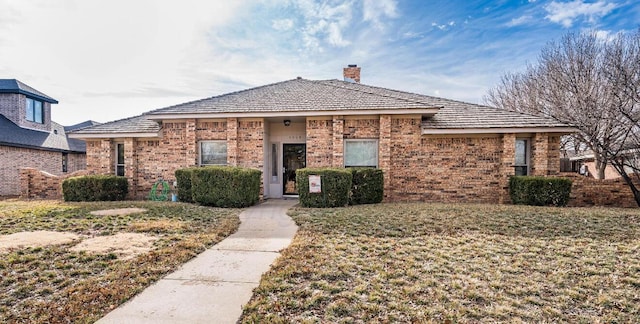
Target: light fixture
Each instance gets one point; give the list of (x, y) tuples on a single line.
[(287, 122)]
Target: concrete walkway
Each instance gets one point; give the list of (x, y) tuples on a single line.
[(213, 287)]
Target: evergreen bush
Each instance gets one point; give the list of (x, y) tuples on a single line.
[(335, 186), (95, 188), (225, 186), (367, 186), (539, 191)]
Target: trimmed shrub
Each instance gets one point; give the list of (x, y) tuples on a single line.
[(367, 186), (183, 178), (225, 186), (539, 191), (335, 186), (95, 188)]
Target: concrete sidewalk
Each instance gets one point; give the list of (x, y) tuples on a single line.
[(213, 287)]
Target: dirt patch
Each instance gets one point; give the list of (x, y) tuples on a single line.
[(35, 239), (124, 245), (157, 226), (119, 211)]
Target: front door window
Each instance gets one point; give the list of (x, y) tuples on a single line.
[(294, 157)]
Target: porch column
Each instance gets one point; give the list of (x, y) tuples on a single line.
[(540, 154), (191, 144), (338, 142), (506, 166), (384, 158), (232, 141), (106, 157), (131, 166)]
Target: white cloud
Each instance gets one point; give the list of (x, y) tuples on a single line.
[(519, 21), (325, 23), (441, 26), (374, 10), (565, 13), (335, 36), (282, 24)]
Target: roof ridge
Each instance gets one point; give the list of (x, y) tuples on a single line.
[(221, 95), (376, 94)]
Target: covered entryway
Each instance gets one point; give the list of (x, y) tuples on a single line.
[(285, 152)]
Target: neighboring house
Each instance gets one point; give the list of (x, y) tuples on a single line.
[(28, 137), (430, 149), (573, 162)]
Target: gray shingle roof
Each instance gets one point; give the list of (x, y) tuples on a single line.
[(301, 95), (84, 124), (466, 115), (15, 86), (56, 140), (136, 124)]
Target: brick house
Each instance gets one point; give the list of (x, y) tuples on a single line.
[(429, 148), (28, 137)]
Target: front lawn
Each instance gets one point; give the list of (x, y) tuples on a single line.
[(54, 284), (455, 263)]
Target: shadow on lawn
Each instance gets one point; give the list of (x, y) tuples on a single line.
[(418, 219)]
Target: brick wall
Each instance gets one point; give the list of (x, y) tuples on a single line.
[(443, 168), (587, 191), (319, 142), (250, 144), (76, 162), (37, 184), (361, 128), (14, 158), (9, 103)]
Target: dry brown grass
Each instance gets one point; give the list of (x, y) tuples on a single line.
[(54, 284), (459, 263)]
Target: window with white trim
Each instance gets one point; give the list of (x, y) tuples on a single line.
[(120, 159), (522, 157), (361, 153), (213, 153), (34, 112)]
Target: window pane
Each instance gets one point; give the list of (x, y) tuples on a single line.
[(361, 153), (120, 170), (521, 170), (213, 153), (65, 162), (120, 153), (29, 110), (274, 161), (37, 110), (521, 152)]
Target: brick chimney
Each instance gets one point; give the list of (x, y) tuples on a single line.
[(351, 73)]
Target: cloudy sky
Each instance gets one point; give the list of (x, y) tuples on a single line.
[(106, 60)]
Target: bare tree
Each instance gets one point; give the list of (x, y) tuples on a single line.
[(590, 83)]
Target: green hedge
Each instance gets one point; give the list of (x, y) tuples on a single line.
[(336, 184), (225, 186), (367, 186), (183, 178), (539, 191), (95, 188)]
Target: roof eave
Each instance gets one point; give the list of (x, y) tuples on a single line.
[(30, 94), (80, 135), (499, 130), (40, 148), (310, 113)]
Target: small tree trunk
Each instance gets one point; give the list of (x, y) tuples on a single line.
[(600, 168)]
